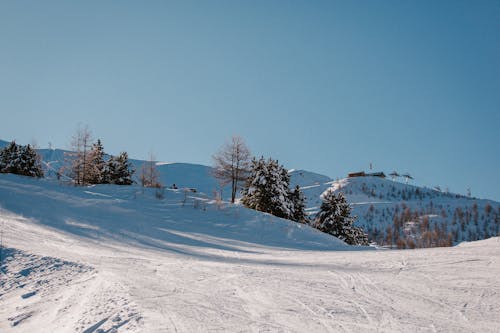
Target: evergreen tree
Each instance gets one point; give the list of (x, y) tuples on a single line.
[(335, 218), (267, 189), (119, 170), (20, 160), (97, 170), (298, 201), (9, 158), (29, 162)]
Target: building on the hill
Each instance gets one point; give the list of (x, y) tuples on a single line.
[(376, 174), (363, 174), (356, 174)]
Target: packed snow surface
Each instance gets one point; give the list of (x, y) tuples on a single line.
[(112, 259)]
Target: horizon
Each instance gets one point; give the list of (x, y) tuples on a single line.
[(398, 179), (327, 87)]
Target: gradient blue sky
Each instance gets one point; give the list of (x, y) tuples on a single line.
[(327, 86)]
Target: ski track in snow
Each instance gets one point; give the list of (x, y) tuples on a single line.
[(78, 277)]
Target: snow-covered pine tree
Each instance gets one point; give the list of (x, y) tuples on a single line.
[(96, 167), (9, 158), (335, 218), (119, 170), (299, 206), (267, 190), (20, 160), (29, 162)]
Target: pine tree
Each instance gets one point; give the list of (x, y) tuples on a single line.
[(267, 189), (335, 218), (29, 162), (96, 167), (119, 170), (20, 160), (9, 158), (298, 200)]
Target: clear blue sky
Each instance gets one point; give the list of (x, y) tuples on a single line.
[(327, 86)]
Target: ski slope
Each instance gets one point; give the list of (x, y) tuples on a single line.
[(115, 259)]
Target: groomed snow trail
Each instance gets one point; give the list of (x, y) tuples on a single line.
[(86, 279)]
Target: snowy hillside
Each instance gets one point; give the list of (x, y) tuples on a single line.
[(411, 216), (134, 214), (113, 258), (392, 213)]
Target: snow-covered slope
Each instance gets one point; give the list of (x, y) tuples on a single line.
[(416, 216), (388, 211), (186, 175), (117, 259), (307, 179), (181, 221)]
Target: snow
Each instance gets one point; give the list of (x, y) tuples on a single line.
[(375, 201), (114, 258)]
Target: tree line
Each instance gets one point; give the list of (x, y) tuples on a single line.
[(267, 189), (88, 164), (266, 182)]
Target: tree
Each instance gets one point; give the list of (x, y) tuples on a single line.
[(231, 164), (119, 170), (20, 160), (77, 162), (96, 167), (149, 174), (267, 189), (29, 162), (335, 219), (298, 201), (9, 158)]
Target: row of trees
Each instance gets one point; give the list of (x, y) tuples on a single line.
[(267, 189), (87, 163), (20, 160)]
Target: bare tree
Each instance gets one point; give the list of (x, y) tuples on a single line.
[(77, 162), (231, 164), (149, 174)]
